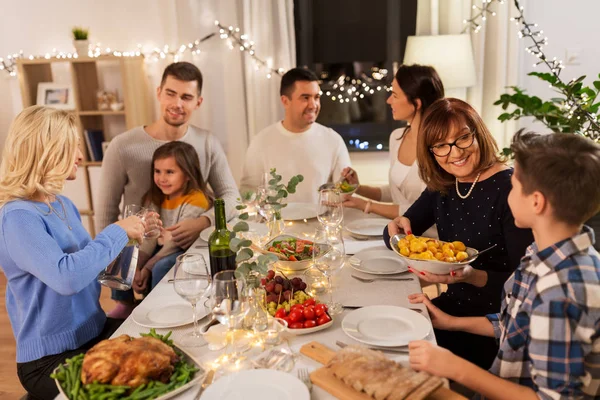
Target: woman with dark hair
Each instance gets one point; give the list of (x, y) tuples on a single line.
[(414, 89), (466, 198)]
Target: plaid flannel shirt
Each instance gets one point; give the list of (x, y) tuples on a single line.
[(549, 323)]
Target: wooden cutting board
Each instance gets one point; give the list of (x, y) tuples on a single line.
[(325, 379)]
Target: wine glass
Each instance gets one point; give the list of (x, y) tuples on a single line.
[(329, 256), (229, 305), (330, 212), (192, 282)]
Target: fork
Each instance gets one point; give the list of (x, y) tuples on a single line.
[(305, 378), (365, 280)]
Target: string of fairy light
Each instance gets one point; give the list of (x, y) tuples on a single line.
[(343, 89), (575, 103)]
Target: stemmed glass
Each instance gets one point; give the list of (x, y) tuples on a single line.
[(330, 211), (269, 209), (229, 305), (192, 282), (329, 256)]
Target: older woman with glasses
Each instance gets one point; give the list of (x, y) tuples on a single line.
[(466, 197)]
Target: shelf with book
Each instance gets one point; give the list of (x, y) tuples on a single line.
[(85, 76)]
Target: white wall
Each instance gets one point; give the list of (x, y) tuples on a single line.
[(572, 29)]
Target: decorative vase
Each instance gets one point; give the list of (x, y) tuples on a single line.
[(81, 47)]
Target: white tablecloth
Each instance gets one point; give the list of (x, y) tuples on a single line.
[(349, 291)]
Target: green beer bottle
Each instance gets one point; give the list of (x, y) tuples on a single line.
[(221, 256)]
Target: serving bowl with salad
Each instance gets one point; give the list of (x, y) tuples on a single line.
[(295, 254)]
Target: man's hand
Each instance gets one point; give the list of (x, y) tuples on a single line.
[(187, 231)]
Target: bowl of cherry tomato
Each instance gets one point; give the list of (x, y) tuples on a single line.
[(305, 318)]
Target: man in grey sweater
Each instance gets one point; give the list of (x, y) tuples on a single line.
[(127, 169)]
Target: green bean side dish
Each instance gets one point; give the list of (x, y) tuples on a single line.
[(69, 376)]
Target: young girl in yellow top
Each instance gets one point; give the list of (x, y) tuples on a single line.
[(178, 192)]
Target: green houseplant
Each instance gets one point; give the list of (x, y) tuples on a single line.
[(80, 40)]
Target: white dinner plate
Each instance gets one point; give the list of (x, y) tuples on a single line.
[(367, 226), (299, 211), (386, 326), (378, 261), (264, 384), (255, 227), (167, 316)]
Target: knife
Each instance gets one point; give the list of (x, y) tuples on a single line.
[(399, 350), (207, 381)]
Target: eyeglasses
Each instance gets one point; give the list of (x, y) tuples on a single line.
[(463, 142)]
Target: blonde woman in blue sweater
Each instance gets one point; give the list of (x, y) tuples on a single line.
[(50, 261)]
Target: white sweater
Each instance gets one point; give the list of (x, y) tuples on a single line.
[(405, 185), (319, 154)]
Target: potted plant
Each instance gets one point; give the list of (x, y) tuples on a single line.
[(575, 110), (80, 41)]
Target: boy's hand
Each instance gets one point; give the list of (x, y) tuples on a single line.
[(439, 319), (141, 280), (428, 357)]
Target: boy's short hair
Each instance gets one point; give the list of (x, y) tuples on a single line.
[(565, 168), (183, 71), (289, 79)]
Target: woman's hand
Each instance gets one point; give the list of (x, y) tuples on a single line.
[(399, 225), (468, 274), (134, 226), (350, 175), (428, 357), (355, 202), (439, 319)]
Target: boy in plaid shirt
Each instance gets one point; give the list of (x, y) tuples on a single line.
[(549, 323)]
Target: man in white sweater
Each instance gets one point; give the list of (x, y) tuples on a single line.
[(126, 169), (298, 144)]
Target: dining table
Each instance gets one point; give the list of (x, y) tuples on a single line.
[(347, 290)]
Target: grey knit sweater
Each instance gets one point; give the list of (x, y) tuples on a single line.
[(126, 171)]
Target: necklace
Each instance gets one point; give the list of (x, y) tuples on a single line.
[(51, 210), (470, 190)]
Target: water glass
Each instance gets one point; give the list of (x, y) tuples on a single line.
[(150, 218), (329, 257), (192, 282), (330, 211)]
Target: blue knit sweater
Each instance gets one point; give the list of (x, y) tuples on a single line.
[(52, 296)]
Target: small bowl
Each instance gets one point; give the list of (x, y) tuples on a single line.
[(433, 266), (116, 106), (293, 265)]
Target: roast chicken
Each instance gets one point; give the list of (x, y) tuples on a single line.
[(128, 361)]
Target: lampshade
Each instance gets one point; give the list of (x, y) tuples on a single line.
[(450, 55)]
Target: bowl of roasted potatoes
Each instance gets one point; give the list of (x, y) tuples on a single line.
[(432, 255)]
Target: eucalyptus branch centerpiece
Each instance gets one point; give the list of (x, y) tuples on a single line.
[(270, 200)]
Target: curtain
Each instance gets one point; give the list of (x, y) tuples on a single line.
[(495, 48)]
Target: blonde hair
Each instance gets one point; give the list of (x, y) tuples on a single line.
[(38, 154)]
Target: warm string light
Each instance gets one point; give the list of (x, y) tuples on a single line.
[(345, 89), (574, 102), (477, 20)]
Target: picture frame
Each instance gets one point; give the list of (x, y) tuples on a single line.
[(56, 95)]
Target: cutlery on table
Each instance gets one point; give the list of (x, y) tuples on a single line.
[(400, 350), (369, 280), (207, 381), (305, 378), (357, 307)]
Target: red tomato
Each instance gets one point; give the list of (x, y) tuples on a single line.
[(309, 312), (292, 258), (323, 319), (311, 323), (296, 316), (298, 307), (273, 249), (280, 313), (320, 309), (296, 325), (309, 302)]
